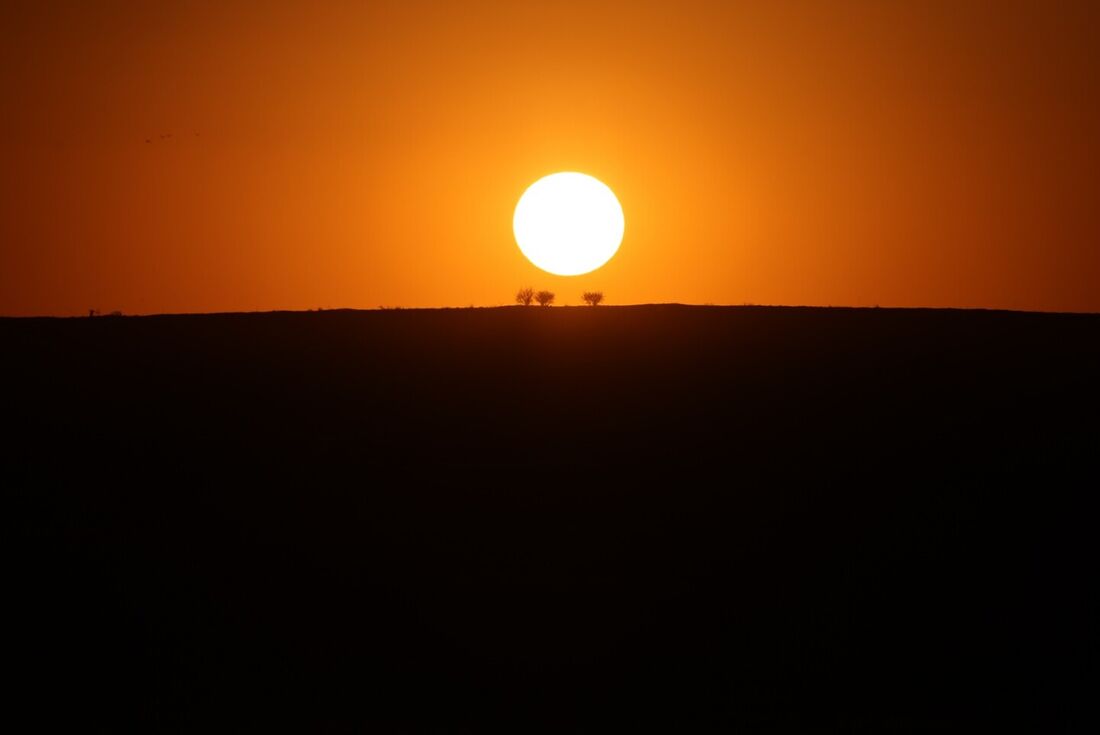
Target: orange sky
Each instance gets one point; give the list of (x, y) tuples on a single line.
[(371, 153)]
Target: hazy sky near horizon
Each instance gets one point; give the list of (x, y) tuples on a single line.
[(208, 156)]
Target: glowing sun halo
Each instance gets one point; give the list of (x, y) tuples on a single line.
[(568, 223)]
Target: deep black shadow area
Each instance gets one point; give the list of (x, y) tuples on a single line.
[(565, 520)]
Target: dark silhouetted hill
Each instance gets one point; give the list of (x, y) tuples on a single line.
[(567, 519)]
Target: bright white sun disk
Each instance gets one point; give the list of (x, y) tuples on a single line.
[(568, 223)]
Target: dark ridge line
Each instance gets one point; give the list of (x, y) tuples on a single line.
[(602, 307)]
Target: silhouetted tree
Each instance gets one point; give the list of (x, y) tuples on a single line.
[(525, 296), (545, 298), (593, 298)]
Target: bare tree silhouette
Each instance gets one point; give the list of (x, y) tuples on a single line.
[(525, 296), (593, 298), (545, 298)]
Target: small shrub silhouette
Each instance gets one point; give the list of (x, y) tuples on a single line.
[(545, 298), (525, 296), (593, 298)]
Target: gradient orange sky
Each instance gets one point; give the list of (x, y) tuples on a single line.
[(371, 153)]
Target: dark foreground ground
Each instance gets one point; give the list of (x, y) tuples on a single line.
[(567, 520)]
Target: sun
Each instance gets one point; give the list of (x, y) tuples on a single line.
[(568, 223)]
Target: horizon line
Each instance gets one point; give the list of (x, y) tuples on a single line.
[(746, 305)]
